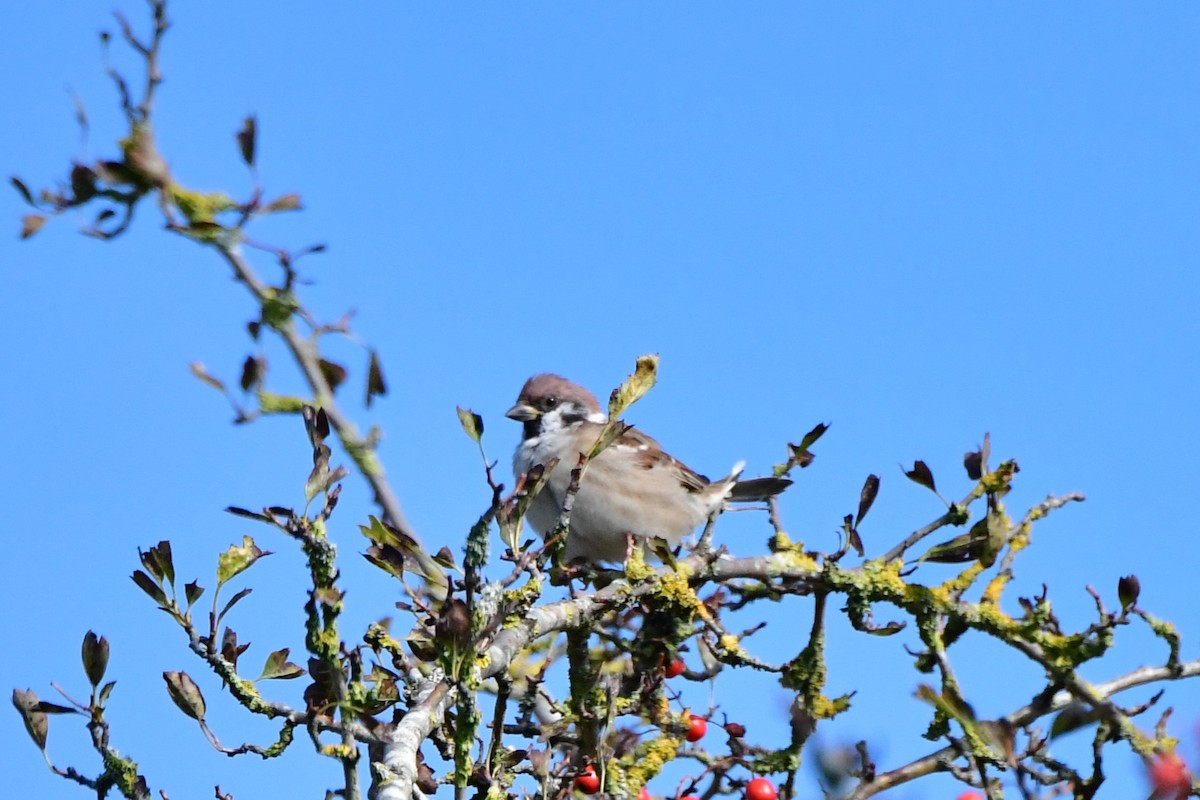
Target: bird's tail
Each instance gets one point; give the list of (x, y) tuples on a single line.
[(756, 490)]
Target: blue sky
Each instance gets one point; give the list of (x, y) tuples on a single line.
[(918, 222)]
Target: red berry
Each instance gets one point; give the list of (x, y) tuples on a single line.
[(969, 796), (587, 781), (643, 793), (760, 789), (1169, 776), (674, 668), (697, 727), (735, 729), (689, 797)]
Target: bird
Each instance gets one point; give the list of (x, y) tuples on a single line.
[(632, 490)]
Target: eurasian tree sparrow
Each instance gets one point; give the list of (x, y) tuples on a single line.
[(631, 489)]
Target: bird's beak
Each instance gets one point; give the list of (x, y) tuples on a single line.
[(522, 412)]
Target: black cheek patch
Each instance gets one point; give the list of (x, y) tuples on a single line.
[(573, 417)]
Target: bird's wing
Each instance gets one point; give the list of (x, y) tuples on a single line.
[(649, 455)]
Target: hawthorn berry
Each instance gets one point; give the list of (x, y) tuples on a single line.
[(643, 793), (1169, 777), (760, 789), (697, 727), (969, 796), (587, 781), (674, 668)]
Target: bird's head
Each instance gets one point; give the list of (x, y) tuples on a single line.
[(550, 402)]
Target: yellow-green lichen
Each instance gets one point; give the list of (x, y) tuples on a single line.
[(199, 206), (636, 568), (340, 751), (731, 649), (378, 638), (634, 770), (675, 589), (882, 580), (269, 403), (792, 562), (364, 457), (122, 770)]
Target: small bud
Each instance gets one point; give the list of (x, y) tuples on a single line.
[(95, 657), (1128, 589), (454, 623)]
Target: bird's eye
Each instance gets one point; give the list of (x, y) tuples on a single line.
[(550, 402)]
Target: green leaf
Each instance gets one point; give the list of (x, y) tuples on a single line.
[(55, 708), (452, 630), (335, 475), (247, 139), (230, 649), (920, 473), (393, 548), (185, 694), (247, 513), (612, 431), (201, 372), (1075, 716), (80, 113), (83, 183), (192, 591), (973, 464), (376, 385), (997, 535), (23, 189), (316, 424), (95, 657), (387, 558), (37, 725), (288, 202), (645, 375), (511, 516), (269, 403), (381, 533), (31, 224), (445, 558), (983, 542), (278, 308), (812, 436), (150, 587), (866, 498), (852, 537), (159, 561), (237, 559), (976, 463), (117, 173), (471, 422), (279, 668), (253, 370), (334, 374), (318, 478), (232, 602), (798, 454)]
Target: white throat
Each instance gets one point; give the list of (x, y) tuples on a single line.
[(556, 437)]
